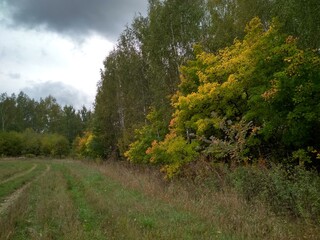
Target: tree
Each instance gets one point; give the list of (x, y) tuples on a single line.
[(71, 123), (300, 19), (7, 111), (50, 112), (28, 119), (122, 99), (249, 100), (143, 71)]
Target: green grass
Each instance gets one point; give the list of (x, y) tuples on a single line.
[(50, 213), (74, 200), (10, 168), (124, 213), (9, 187)]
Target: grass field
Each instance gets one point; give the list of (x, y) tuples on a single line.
[(59, 199)]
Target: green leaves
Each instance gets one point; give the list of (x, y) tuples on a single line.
[(239, 71), (257, 94), (30, 143)]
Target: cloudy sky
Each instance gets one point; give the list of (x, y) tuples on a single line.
[(57, 46)]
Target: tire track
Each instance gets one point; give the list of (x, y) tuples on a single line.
[(10, 200), (19, 174)]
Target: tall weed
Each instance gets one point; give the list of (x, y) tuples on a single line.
[(295, 192)]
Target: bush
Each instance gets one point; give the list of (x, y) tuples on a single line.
[(10, 144), (54, 145), (173, 153), (137, 150), (306, 193), (154, 130), (295, 192), (86, 145), (31, 142)]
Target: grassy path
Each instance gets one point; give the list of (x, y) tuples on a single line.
[(72, 200), (108, 209), (19, 174), (9, 169), (51, 213), (18, 186), (15, 183)]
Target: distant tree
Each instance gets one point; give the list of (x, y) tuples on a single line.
[(85, 117), (7, 112), (25, 112), (30, 119), (71, 123)]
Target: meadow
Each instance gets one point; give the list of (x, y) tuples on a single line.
[(65, 199)]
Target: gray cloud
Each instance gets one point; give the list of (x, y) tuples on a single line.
[(14, 75), (76, 17), (10, 75), (65, 94)]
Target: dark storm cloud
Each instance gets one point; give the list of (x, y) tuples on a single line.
[(65, 94), (76, 17)]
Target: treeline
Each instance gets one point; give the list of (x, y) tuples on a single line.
[(32, 144), (30, 127), (201, 80)]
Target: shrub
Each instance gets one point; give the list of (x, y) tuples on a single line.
[(306, 193), (10, 144), (54, 145), (154, 130), (31, 142), (295, 192), (137, 149), (88, 146), (173, 153)]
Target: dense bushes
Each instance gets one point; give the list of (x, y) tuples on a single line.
[(290, 191), (30, 143), (10, 144), (295, 192), (54, 145)]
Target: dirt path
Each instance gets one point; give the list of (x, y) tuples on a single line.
[(19, 174), (15, 195)]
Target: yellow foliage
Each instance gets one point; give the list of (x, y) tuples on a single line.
[(82, 144)]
